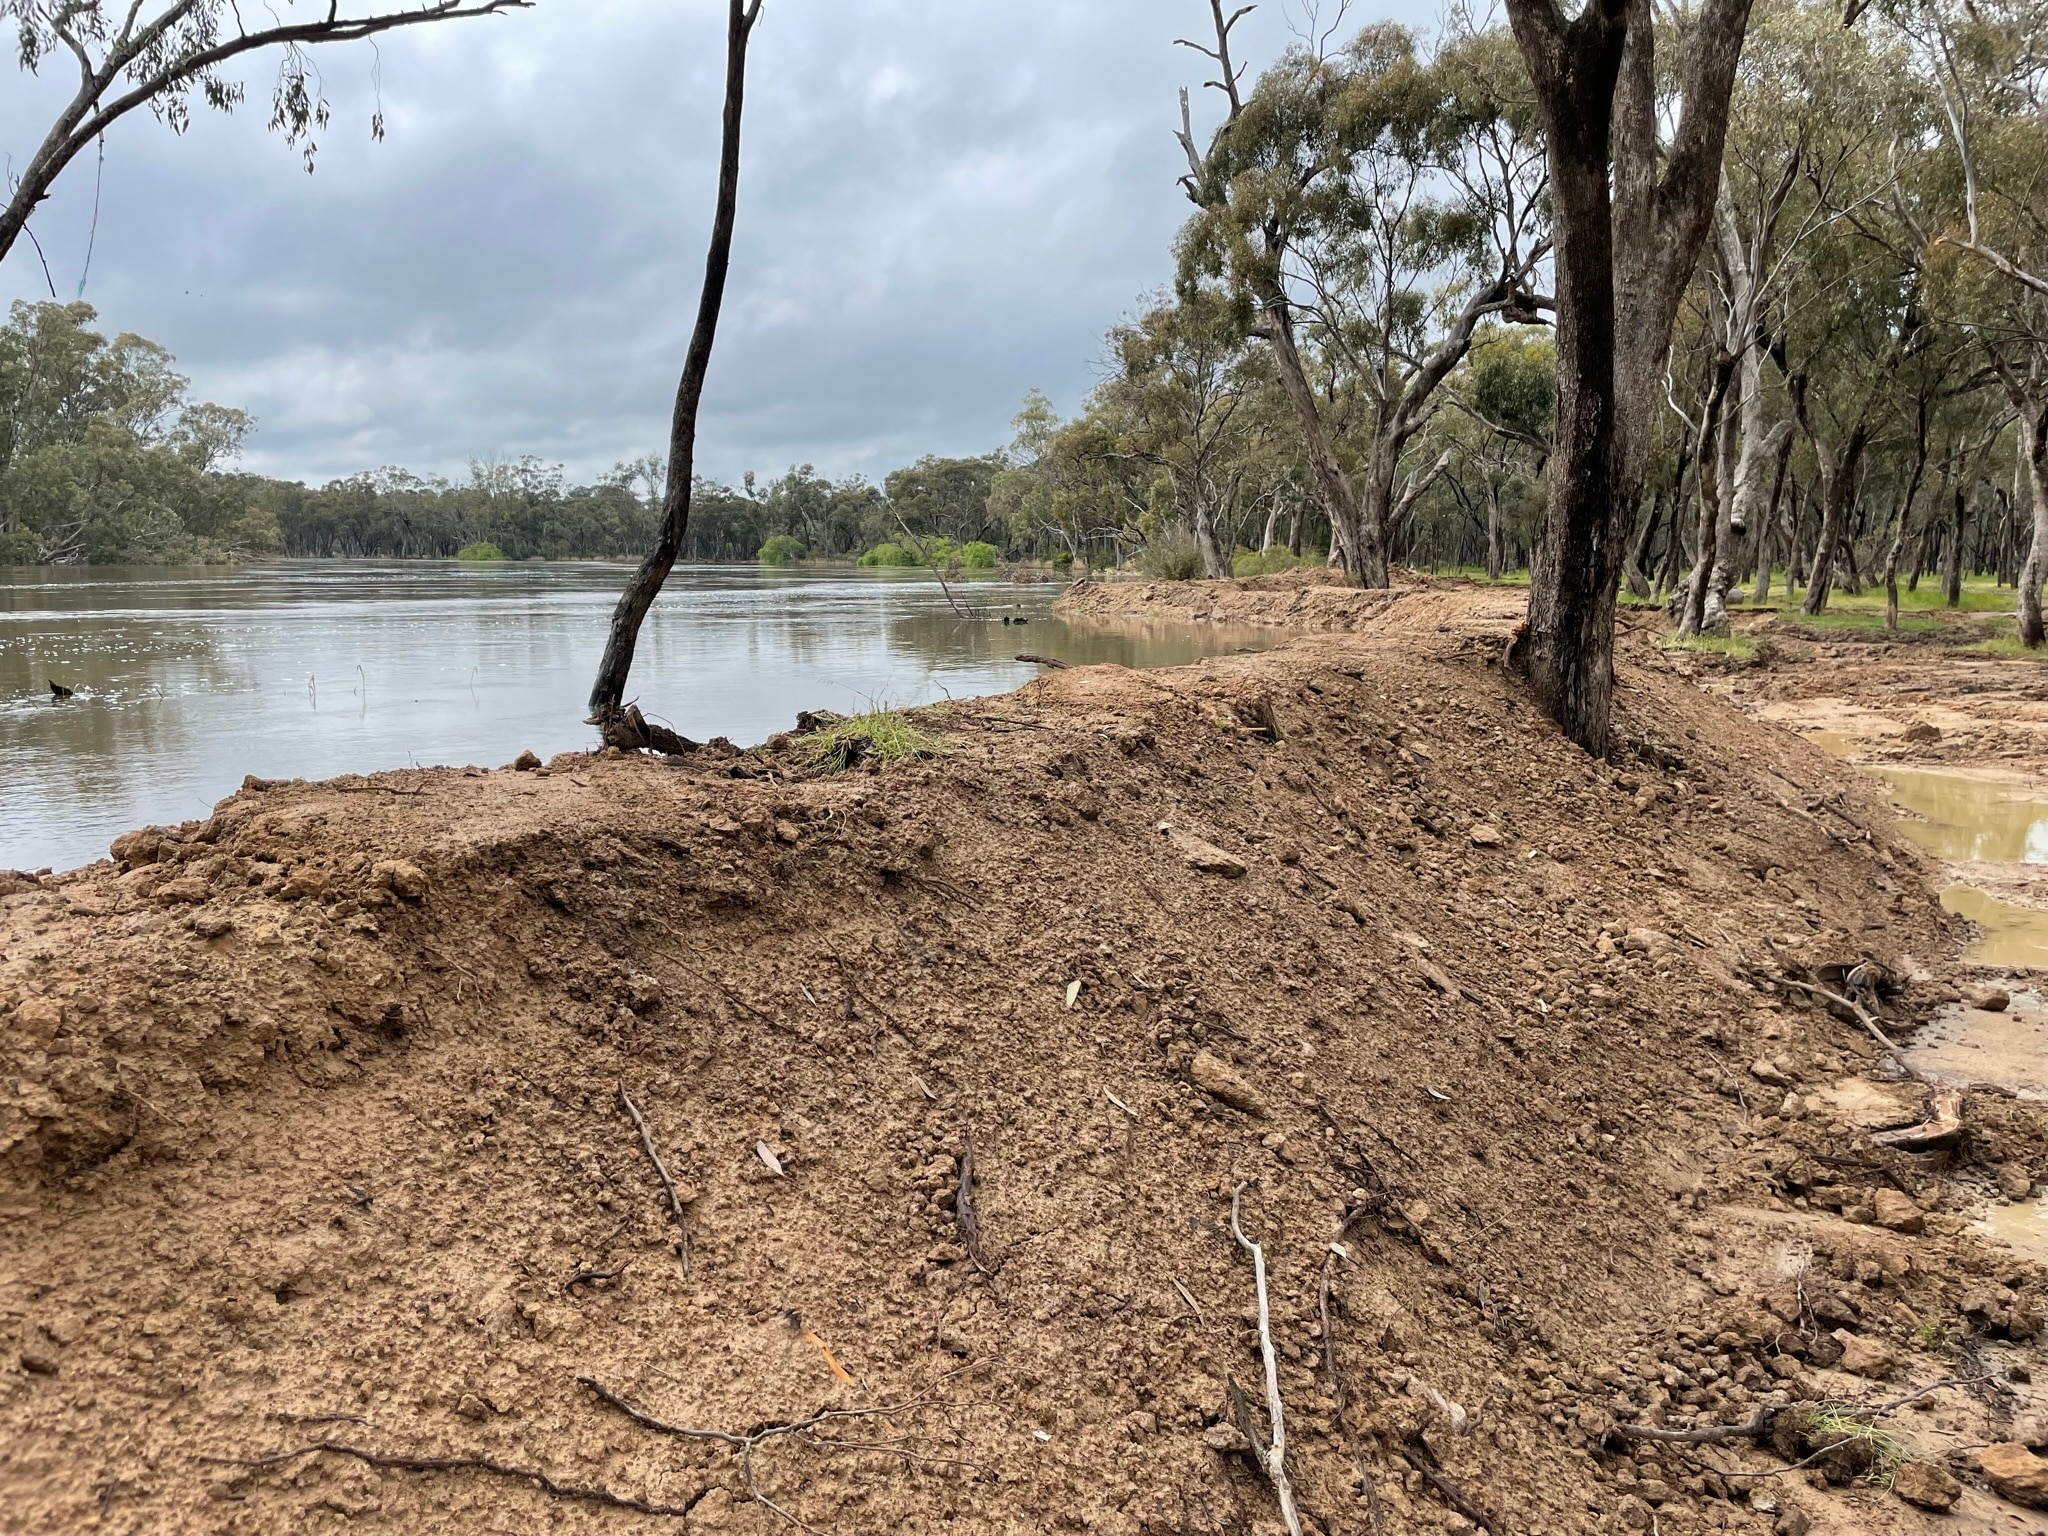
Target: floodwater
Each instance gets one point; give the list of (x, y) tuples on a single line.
[(1966, 819), (185, 680)]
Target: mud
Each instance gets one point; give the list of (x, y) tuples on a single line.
[(312, 1128)]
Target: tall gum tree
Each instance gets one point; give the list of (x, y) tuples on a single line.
[(1369, 211), (163, 56), (1630, 210)]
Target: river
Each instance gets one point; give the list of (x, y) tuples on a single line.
[(185, 680)]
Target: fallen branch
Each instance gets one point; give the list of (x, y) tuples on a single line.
[(668, 1185), (589, 1493), (1276, 1457), (1419, 1456), (1043, 661), (1868, 1020)]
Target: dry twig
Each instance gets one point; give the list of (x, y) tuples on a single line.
[(1419, 1456), (747, 1444), (590, 1493), (668, 1185), (1276, 1456)]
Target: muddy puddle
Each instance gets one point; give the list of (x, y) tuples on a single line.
[(1997, 827)]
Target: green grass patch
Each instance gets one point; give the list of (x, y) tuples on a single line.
[(1740, 647), (1247, 563), (881, 734), (482, 550), (2002, 645)]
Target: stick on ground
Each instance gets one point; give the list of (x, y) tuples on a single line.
[(668, 1185), (591, 1494), (1276, 1458)]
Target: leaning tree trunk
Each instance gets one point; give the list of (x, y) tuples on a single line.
[(1717, 437), (1837, 483), (620, 724), (1364, 558)]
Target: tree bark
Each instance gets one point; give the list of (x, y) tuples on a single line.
[(607, 694), (1364, 557), (2034, 573), (1837, 484), (1622, 257), (1717, 442)]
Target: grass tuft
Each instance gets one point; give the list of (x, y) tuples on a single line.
[(1740, 647), (881, 734)]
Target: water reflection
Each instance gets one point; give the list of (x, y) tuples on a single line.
[(1970, 819), (186, 680)]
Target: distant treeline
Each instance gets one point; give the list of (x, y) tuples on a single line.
[(103, 460)]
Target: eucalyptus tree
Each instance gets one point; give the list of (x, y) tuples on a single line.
[(1813, 100), (1985, 65), (169, 56), (1634, 152), (1177, 399), (1507, 390), (1370, 209)]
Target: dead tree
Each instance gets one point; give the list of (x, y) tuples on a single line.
[(620, 725)]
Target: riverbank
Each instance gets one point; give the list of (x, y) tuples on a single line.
[(314, 1130)]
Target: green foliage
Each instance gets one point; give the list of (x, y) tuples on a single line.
[(102, 459), (979, 556), (880, 734), (782, 549), (1267, 562), (483, 551), (1172, 556), (889, 555)]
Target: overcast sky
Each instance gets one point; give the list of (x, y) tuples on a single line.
[(945, 203)]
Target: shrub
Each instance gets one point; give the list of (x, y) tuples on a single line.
[(1266, 562), (483, 549), (783, 550), (1171, 557), (978, 556), (890, 554)]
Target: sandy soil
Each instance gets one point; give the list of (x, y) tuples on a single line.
[(312, 1130)]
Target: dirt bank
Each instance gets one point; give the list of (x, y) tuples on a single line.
[(312, 1129)]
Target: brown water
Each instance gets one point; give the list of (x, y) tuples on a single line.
[(188, 679)]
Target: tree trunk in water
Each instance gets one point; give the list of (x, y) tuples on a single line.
[(607, 694), (1837, 482), (1364, 560)]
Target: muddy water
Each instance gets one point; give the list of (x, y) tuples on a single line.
[(1970, 820), (1965, 818), (188, 679)]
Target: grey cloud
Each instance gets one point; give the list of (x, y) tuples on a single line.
[(945, 204)]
